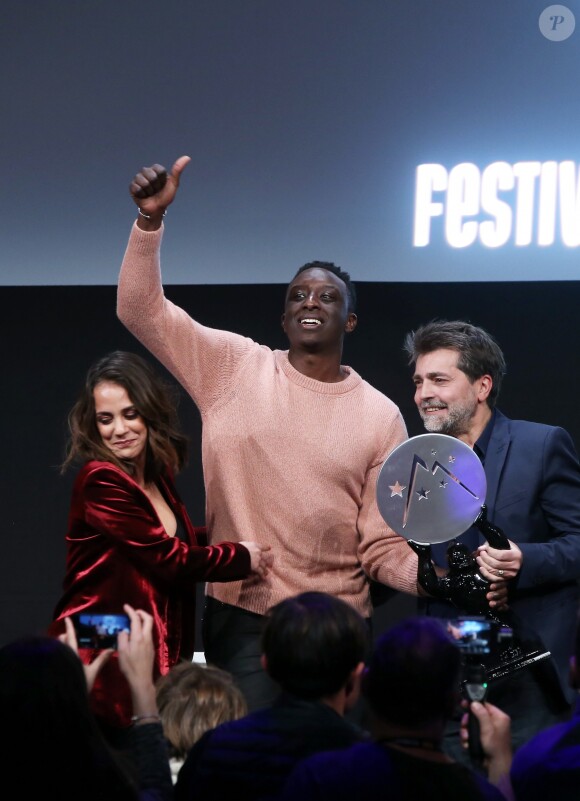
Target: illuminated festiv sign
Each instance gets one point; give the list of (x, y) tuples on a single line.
[(527, 203)]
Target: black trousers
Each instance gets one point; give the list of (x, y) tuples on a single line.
[(232, 641)]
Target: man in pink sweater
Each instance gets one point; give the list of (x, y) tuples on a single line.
[(292, 441)]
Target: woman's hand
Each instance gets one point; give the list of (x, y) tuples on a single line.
[(70, 639), (261, 560), (136, 657)]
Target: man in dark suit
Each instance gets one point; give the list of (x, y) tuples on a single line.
[(533, 495)]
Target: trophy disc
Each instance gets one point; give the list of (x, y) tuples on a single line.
[(431, 488)]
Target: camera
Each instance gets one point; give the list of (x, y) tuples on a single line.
[(472, 635), (489, 651), (99, 630), (483, 640), (486, 641)]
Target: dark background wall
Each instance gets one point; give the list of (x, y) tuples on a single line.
[(50, 335)]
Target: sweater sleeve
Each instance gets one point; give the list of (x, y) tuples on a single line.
[(122, 514), (151, 757), (558, 559), (202, 359), (386, 557)]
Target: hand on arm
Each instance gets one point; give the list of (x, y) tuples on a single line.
[(153, 190), (261, 560), (149, 747)]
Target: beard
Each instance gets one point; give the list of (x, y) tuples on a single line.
[(455, 423)]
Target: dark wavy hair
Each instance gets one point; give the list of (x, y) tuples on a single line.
[(478, 353), (313, 642), (155, 401)]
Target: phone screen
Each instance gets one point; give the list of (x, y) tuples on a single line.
[(473, 636), (99, 631)]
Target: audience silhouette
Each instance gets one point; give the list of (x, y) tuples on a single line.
[(547, 765), (313, 646), (55, 747), (412, 686), (193, 698)]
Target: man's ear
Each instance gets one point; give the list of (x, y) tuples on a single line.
[(358, 671), (264, 662), (352, 688), (485, 387), (355, 679), (364, 679), (351, 322)]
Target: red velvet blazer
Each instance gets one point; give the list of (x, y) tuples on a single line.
[(118, 552)]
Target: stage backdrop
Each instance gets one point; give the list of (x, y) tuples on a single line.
[(423, 140), (50, 335)]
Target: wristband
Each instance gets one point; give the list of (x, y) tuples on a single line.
[(148, 216), (137, 718)]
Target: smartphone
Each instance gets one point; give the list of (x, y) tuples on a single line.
[(99, 631)]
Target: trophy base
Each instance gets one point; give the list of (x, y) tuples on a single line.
[(506, 668), (492, 646)]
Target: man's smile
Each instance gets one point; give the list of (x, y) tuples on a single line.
[(432, 407), (309, 322)]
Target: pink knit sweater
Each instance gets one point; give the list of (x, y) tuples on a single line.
[(288, 461)]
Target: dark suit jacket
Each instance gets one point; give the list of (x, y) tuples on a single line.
[(533, 495), (250, 759)]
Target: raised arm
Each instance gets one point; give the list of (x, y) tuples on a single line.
[(148, 745)]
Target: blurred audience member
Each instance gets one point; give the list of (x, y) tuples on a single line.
[(313, 646), (548, 765), (54, 747), (412, 686), (193, 698)]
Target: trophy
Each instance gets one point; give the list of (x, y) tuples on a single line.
[(430, 490)]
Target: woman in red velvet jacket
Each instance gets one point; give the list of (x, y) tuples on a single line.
[(129, 537)]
